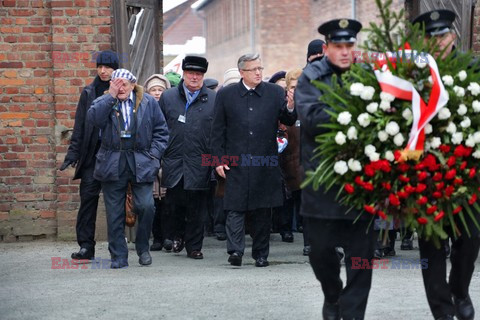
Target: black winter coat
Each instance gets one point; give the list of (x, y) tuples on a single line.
[(245, 125), (311, 112), (189, 140), (85, 135)]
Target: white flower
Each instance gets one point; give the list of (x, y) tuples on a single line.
[(374, 156), (356, 89), (428, 128), (476, 106), (462, 109), (354, 165), (420, 64), (372, 107), (398, 139), (476, 137), (466, 122), (385, 96), (457, 138), (340, 138), (462, 75), (389, 156), (451, 128), (392, 128), (382, 135), (352, 133), (384, 105), (459, 91), (407, 114), (430, 79), (470, 142), (367, 93), (369, 149), (447, 80), (444, 113), (364, 119), (476, 154), (435, 142), (344, 118), (474, 88), (340, 167)]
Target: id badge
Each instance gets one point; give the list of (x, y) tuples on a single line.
[(181, 118), (297, 123), (125, 134)]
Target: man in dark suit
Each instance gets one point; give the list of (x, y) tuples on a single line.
[(328, 226), (84, 145), (244, 130), (447, 299)]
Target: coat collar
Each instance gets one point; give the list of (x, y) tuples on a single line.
[(203, 91), (258, 90)]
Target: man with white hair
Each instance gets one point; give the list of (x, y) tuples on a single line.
[(134, 138)]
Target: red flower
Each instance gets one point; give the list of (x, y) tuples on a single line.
[(439, 216), (420, 187), (437, 176), (458, 181), (420, 166), (382, 214), (403, 167), (472, 199), (472, 173), (359, 181), (409, 189), (386, 185), (463, 165), (467, 151), (450, 174), (431, 162), (439, 186), (394, 201), (444, 148), (404, 178), (402, 194), (437, 194), (451, 161), (369, 209), (423, 200), (369, 170), (422, 220), (349, 188), (422, 175), (462, 151), (457, 210), (397, 154), (431, 209), (449, 190), (368, 186)]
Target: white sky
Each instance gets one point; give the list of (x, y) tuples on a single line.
[(169, 4)]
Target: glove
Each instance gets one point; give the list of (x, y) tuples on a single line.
[(66, 163)]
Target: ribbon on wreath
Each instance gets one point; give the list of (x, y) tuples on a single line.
[(422, 113)]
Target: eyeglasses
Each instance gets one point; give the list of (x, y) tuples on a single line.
[(260, 69)]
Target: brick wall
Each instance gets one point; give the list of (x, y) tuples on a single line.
[(476, 29), (45, 60)]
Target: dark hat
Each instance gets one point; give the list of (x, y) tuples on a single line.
[(195, 63), (340, 30), (436, 22), (277, 76), (109, 59), (210, 83), (314, 47)]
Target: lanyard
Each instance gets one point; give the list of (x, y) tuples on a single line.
[(126, 113)]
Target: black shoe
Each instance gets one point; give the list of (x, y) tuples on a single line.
[(378, 254), (84, 254), (331, 311), (287, 237), (221, 236), (195, 254), (168, 245), (464, 308), (235, 259), (119, 264), (407, 244), (307, 250), (178, 245), (300, 229), (388, 252), (145, 259), (156, 246), (447, 317), (261, 262)]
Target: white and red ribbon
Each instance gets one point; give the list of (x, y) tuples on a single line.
[(403, 89)]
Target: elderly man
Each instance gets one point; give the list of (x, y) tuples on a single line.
[(188, 110), (245, 130), (84, 145), (134, 137), (448, 298)]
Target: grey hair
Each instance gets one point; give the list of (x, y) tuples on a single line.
[(246, 58)]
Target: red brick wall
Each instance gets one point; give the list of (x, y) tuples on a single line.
[(184, 28), (45, 60)]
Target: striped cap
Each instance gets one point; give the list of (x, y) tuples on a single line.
[(125, 74)]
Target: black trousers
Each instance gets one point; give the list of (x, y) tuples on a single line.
[(219, 217), (464, 252), (324, 236), (87, 213), (188, 215), (163, 224), (260, 230)]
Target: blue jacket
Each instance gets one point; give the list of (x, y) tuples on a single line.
[(150, 140)]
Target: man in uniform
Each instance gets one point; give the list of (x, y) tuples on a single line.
[(447, 299), (328, 226)]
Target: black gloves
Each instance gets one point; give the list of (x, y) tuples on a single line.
[(66, 163)]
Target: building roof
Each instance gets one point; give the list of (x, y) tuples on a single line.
[(200, 4)]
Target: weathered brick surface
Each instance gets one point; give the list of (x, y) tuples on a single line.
[(45, 60)]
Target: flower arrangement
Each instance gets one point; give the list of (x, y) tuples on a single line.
[(404, 137)]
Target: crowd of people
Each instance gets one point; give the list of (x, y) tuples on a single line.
[(201, 157)]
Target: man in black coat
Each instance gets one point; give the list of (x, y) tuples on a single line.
[(447, 299), (328, 225), (245, 153), (84, 145), (188, 110)]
